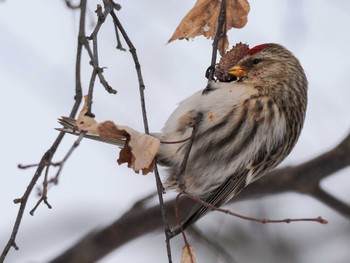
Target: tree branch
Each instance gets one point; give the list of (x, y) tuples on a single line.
[(304, 178)]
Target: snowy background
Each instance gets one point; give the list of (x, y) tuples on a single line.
[(37, 60)]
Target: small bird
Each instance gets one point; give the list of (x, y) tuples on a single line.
[(245, 128)]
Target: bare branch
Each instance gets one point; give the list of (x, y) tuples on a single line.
[(26, 166), (159, 185), (93, 54), (119, 43), (47, 157), (43, 197), (132, 50), (253, 219), (210, 71)]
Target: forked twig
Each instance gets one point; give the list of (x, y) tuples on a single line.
[(47, 157), (97, 70), (253, 219), (43, 197), (54, 180)]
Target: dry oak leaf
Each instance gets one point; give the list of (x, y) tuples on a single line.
[(139, 149), (202, 19), (188, 255)]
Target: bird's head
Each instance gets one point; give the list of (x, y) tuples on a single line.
[(266, 64)]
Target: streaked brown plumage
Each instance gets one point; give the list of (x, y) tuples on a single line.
[(258, 120)]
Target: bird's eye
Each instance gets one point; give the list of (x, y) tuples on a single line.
[(256, 61)]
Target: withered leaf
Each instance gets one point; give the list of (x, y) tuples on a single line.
[(188, 255), (108, 130), (202, 19), (139, 149)]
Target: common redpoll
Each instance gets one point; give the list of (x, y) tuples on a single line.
[(246, 127)]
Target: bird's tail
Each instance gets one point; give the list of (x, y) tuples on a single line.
[(225, 192), (69, 126)]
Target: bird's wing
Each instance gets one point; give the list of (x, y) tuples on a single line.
[(217, 198), (69, 126)]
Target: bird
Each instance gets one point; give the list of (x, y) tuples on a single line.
[(245, 127)]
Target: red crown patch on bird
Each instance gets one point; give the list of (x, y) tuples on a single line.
[(255, 49)]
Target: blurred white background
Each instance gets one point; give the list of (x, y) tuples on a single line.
[(37, 62)]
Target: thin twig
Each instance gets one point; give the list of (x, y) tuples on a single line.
[(90, 93), (81, 38), (132, 50), (119, 43), (23, 200), (258, 220), (167, 230), (160, 188), (182, 170), (176, 142), (43, 194), (66, 157), (26, 166), (94, 56), (210, 72), (47, 157)]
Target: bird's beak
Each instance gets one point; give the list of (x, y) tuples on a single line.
[(238, 71)]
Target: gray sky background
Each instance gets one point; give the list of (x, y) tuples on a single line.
[(37, 60)]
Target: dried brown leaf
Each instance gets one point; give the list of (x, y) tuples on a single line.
[(202, 19), (139, 149), (109, 131), (188, 255)]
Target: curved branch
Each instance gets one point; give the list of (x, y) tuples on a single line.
[(304, 178)]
